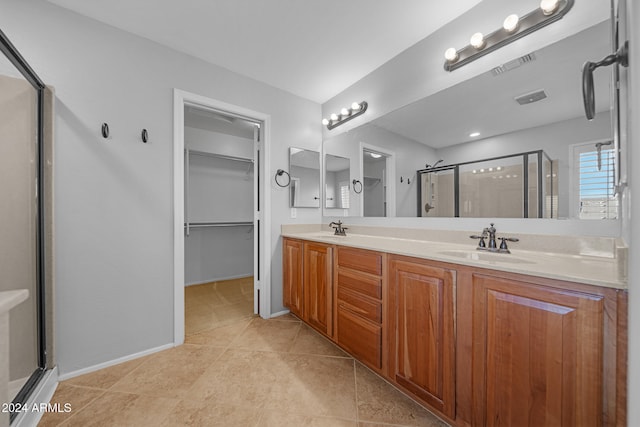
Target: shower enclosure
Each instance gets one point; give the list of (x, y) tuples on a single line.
[(26, 159), (522, 185)]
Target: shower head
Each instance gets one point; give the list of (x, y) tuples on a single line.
[(428, 166)]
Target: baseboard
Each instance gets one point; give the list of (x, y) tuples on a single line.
[(218, 279), (113, 362), (280, 313), (42, 394)]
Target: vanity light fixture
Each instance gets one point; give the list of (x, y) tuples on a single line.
[(346, 114), (513, 28)]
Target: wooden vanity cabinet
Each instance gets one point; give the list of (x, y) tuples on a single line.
[(541, 355), (318, 286), (292, 277), (482, 347), (422, 331), (308, 282), (359, 307)]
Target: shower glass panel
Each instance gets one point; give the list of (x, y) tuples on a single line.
[(19, 209), (492, 188), (25, 172), (438, 193), (522, 185)]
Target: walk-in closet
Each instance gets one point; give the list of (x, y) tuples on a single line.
[(220, 200)]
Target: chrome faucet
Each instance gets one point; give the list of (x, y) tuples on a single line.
[(490, 233), (339, 228)]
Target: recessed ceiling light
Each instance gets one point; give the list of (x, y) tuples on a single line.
[(474, 134)]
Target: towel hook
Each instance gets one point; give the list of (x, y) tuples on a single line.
[(105, 130)]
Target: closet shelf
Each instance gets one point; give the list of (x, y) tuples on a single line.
[(218, 224), (219, 156)]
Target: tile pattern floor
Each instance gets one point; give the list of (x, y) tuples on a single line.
[(243, 371), (214, 304)]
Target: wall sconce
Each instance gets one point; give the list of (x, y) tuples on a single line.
[(346, 114), (512, 29)]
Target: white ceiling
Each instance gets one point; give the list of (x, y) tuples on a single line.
[(311, 48)]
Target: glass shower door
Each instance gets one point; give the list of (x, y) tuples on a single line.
[(22, 224)]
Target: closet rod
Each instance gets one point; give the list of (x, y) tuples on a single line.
[(217, 224), (220, 156)]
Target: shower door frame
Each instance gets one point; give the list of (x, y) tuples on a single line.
[(18, 61)]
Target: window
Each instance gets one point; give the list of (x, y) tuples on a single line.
[(595, 177), (344, 194)]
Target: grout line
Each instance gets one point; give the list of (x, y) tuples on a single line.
[(355, 387)]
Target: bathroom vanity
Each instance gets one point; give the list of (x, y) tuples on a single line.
[(527, 338)]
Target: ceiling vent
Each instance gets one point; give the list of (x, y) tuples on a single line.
[(529, 98), (518, 62)]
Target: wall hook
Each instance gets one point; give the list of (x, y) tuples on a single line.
[(145, 136), (105, 130)]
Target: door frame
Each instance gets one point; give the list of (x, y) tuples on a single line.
[(180, 98), (390, 194)]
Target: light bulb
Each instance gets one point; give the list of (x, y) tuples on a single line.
[(490, 169), (451, 54), (548, 7), (477, 41), (344, 112), (334, 116), (474, 171), (325, 122), (355, 106), (481, 170), (511, 23)]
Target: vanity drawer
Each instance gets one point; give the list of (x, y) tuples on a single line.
[(360, 337), (361, 260), (362, 306), (367, 285)]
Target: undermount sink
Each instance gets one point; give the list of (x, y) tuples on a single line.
[(476, 255)]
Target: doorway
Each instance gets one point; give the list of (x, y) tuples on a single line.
[(378, 181), (221, 225)]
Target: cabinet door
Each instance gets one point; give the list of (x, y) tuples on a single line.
[(422, 337), (537, 355), (292, 276), (318, 286)]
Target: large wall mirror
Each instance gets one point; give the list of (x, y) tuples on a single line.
[(530, 104), (304, 168)]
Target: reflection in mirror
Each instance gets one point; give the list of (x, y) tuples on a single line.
[(336, 182), (304, 168), (437, 193), (491, 188), (374, 174), (531, 103)]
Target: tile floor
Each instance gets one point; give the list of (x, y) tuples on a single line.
[(213, 304), (238, 371)]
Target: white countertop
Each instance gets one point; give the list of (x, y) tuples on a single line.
[(9, 299), (593, 270)]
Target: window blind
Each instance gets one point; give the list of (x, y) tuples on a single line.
[(596, 185)]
